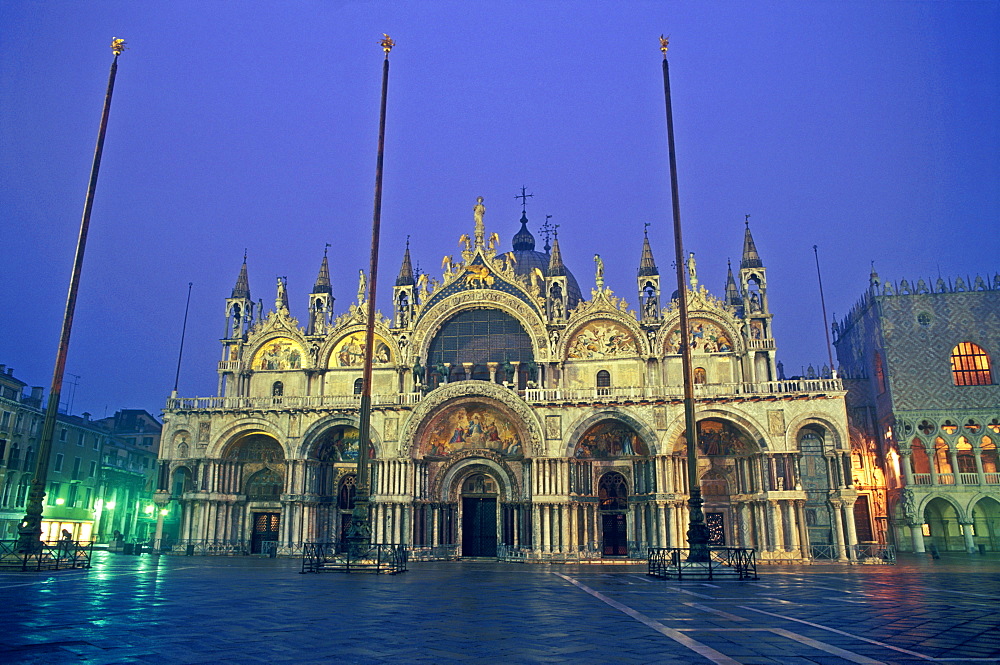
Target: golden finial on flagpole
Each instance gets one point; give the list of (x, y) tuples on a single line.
[(387, 43), (664, 41), (118, 46)]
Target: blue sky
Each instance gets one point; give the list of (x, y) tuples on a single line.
[(869, 129)]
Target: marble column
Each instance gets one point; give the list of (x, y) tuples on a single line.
[(970, 544), (838, 528), (917, 535)]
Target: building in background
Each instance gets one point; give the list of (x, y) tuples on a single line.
[(128, 472), (513, 414), (100, 472), (72, 483), (924, 407)]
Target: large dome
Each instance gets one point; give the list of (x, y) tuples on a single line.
[(528, 259)]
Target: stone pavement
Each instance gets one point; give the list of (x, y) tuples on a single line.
[(176, 609)]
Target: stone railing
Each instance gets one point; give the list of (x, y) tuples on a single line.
[(708, 390), (285, 402), (604, 394), (964, 478)]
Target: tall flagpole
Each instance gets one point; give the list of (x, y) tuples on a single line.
[(697, 533), (180, 352), (360, 533), (30, 538), (822, 303)]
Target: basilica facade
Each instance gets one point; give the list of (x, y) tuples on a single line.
[(513, 415)]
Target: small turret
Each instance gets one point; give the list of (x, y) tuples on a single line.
[(756, 312), (403, 293), (321, 300), (648, 282), (239, 306), (555, 281)]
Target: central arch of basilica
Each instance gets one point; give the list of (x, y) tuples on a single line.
[(512, 417)]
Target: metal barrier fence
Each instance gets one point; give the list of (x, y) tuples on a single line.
[(509, 554), (875, 553), (431, 552), (49, 555), (334, 557), (723, 563)]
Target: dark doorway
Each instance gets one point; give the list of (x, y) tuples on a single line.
[(479, 526), (615, 534), (265, 530), (716, 523)]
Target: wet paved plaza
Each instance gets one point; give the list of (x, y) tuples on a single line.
[(176, 609)]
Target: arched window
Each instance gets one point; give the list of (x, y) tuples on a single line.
[(348, 489), (604, 382), (613, 492), (700, 375), (920, 461), (988, 455), (265, 484), (278, 389), (970, 365), (966, 458), (358, 385), (941, 459), (480, 336)]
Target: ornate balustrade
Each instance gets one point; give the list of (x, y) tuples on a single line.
[(543, 395), (707, 390), (285, 402), (969, 478)]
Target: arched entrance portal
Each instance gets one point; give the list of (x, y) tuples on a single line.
[(613, 500), (479, 515)]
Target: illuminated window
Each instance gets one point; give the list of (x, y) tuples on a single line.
[(966, 458), (970, 365), (988, 455), (920, 463), (941, 458), (699, 375)]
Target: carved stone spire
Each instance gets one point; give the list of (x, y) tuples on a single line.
[(242, 288), (322, 284), (405, 277), (732, 291), (556, 265), (647, 266), (751, 259)]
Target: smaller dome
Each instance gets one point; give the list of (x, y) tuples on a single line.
[(523, 240)]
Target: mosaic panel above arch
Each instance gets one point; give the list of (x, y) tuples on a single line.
[(339, 444), (350, 351), (704, 335), (471, 425), (255, 447), (280, 353), (720, 438), (610, 439), (601, 339)]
